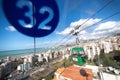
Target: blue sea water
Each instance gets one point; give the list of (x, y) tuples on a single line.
[(22, 52)]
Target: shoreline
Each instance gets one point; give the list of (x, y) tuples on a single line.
[(24, 52)]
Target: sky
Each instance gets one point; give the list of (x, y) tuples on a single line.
[(72, 13)]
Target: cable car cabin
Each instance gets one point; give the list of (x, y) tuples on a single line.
[(78, 56), (78, 50)]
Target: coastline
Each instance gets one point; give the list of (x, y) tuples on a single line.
[(23, 52), (20, 53)]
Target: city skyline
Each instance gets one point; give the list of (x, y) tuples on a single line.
[(72, 13)]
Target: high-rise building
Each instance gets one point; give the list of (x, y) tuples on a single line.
[(91, 49), (40, 57), (24, 67)]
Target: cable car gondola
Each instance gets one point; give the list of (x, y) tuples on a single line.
[(78, 56)]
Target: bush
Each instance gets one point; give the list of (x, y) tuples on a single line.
[(95, 60), (110, 59), (67, 62)]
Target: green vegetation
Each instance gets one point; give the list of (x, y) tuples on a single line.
[(67, 62), (49, 77), (90, 62), (96, 60), (109, 59), (64, 63)]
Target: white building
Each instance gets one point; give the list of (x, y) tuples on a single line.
[(107, 45), (30, 59), (92, 49), (40, 57), (24, 67)]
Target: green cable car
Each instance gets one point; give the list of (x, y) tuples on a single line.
[(78, 56)]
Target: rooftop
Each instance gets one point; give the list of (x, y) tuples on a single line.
[(75, 73)]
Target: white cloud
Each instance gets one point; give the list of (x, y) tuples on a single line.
[(108, 26), (10, 28), (78, 23), (101, 30), (66, 31), (83, 32), (87, 24)]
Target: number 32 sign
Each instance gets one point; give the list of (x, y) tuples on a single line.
[(35, 18)]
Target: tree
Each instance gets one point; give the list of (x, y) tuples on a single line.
[(110, 59), (103, 58), (95, 60)]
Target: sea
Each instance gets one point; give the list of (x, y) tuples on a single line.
[(22, 52)]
